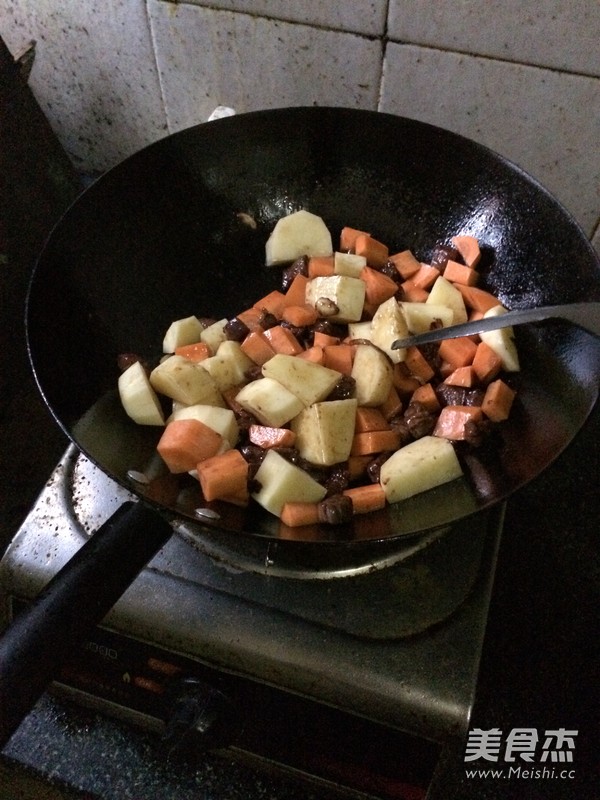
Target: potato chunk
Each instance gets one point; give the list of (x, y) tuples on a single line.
[(417, 467)]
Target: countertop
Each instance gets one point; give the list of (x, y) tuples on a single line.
[(539, 667)]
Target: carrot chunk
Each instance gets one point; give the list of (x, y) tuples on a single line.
[(366, 498), (426, 396), (413, 293), (267, 437), (374, 251), (320, 266), (296, 292), (282, 340), (370, 419), (185, 442), (296, 514), (424, 277), (460, 273), (322, 339), (498, 400), (348, 239), (194, 352), (452, 421), (357, 466), (370, 442), (300, 315), (486, 363), (314, 353), (378, 287), (477, 299), (458, 352), (418, 364), (224, 476), (339, 357), (392, 405), (274, 303), (468, 247), (406, 263), (257, 347), (251, 318), (462, 376), (404, 382)]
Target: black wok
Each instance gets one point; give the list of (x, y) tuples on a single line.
[(161, 237)]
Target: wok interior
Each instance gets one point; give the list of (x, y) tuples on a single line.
[(160, 237)]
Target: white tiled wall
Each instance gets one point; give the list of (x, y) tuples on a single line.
[(520, 77)]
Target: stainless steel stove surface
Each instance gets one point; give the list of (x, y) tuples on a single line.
[(392, 645)]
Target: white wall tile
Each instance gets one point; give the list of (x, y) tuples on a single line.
[(552, 33), (94, 74), (208, 58), (541, 119), (365, 16)]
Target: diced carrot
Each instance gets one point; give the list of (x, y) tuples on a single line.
[(446, 369), (374, 251), (357, 466), (468, 247), (412, 293), (378, 287), (322, 339), (477, 299), (486, 363), (320, 266), (418, 364), (314, 354), (282, 340), (348, 239), (251, 318), (427, 397), (462, 376), (296, 514), (296, 292), (257, 347), (267, 437), (406, 263), (460, 273), (339, 357), (458, 352), (475, 315), (224, 476), (370, 497), (370, 442), (185, 442), (403, 381), (194, 352), (498, 400), (274, 303), (392, 405), (424, 277), (370, 419), (300, 316), (452, 421)]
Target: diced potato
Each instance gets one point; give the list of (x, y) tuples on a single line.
[(420, 316), (347, 294), (360, 330), (182, 332), (270, 402), (417, 467), (214, 334), (138, 397), (324, 431), (184, 381), (282, 482), (373, 374), (228, 366), (443, 293), (388, 325), (299, 234), (310, 382), (221, 420), (502, 341), (348, 264)]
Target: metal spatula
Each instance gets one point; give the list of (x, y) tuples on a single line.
[(584, 315)]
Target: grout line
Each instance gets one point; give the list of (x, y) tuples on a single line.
[(158, 72)]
